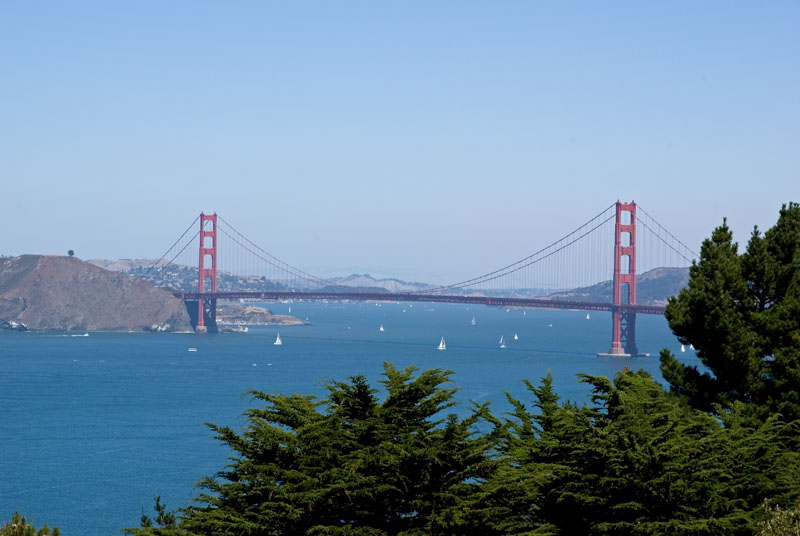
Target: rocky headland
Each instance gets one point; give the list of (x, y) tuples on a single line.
[(51, 292)]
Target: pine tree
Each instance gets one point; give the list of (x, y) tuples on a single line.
[(349, 465), (742, 314)]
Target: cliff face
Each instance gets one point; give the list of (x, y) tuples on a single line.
[(50, 292)]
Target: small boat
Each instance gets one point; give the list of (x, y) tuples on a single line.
[(683, 348), (380, 328), (192, 349), (290, 308), (588, 317), (502, 342), (524, 313), (278, 341), (473, 321), (516, 337), (442, 345), (691, 347), (82, 335)]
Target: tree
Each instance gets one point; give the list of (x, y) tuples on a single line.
[(742, 314), (19, 526), (349, 465), (638, 461), (70, 253)]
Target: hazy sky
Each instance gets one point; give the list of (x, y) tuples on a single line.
[(426, 140)]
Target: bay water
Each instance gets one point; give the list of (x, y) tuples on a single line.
[(94, 426)]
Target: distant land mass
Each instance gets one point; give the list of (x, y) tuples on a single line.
[(367, 282), (50, 292), (653, 287), (181, 278)]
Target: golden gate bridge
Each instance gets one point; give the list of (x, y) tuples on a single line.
[(606, 249)]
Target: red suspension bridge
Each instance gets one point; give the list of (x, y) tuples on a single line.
[(606, 249)]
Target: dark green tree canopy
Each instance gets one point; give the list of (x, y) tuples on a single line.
[(742, 314), (349, 465)]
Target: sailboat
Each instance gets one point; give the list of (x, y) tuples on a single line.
[(380, 328), (516, 337), (473, 321), (588, 317), (502, 342), (442, 345), (278, 341), (683, 348)]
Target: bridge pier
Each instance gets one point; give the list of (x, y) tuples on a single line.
[(623, 322), (207, 307)]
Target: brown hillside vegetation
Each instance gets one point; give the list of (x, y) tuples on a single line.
[(50, 292)]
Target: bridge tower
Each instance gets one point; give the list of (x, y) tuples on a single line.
[(207, 307), (623, 322)]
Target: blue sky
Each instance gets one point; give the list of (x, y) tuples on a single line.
[(425, 140)]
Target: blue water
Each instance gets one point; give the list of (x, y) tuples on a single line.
[(93, 427)]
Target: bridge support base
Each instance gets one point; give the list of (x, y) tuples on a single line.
[(623, 354)]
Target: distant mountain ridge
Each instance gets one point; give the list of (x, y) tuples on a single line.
[(389, 284), (653, 287), (180, 278)]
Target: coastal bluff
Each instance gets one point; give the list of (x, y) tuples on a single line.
[(52, 292)]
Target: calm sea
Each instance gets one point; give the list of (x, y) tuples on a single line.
[(93, 427)]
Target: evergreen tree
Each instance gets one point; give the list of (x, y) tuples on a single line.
[(742, 314), (20, 526), (638, 461), (351, 465)]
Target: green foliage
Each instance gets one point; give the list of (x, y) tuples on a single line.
[(19, 526), (636, 462), (165, 522), (742, 314), (360, 467)]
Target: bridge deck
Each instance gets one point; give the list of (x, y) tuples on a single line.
[(538, 303)]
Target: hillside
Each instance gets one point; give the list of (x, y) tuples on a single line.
[(184, 278), (652, 288), (49, 292), (366, 281)]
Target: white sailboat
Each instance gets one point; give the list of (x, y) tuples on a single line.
[(380, 328), (683, 348), (473, 321), (278, 340), (588, 317), (516, 337), (502, 342), (442, 345)]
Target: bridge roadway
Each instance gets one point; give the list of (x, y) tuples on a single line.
[(539, 303)]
